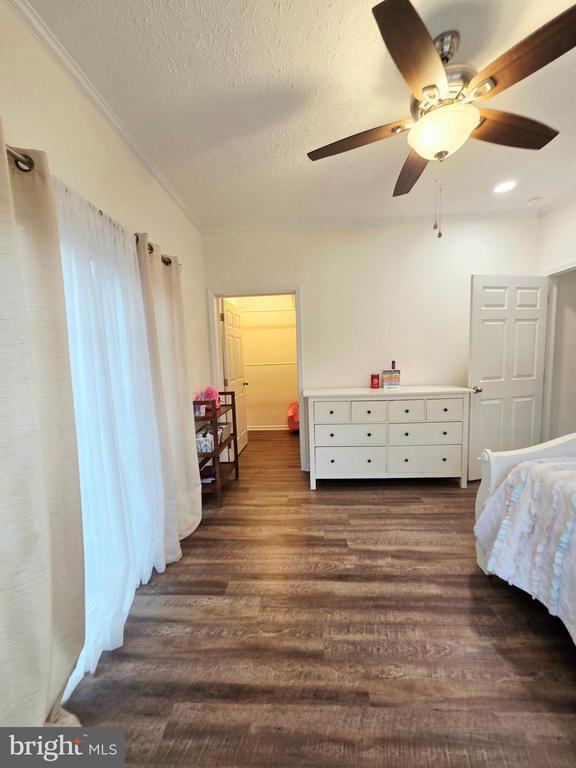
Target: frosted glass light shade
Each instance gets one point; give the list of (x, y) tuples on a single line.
[(444, 129)]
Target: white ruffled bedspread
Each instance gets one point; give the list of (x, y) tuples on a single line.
[(527, 533)]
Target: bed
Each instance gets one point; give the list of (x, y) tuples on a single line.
[(526, 522)]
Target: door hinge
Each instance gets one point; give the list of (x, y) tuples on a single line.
[(225, 382), (222, 317)]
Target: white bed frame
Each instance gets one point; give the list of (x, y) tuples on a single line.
[(495, 467)]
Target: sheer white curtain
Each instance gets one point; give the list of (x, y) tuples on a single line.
[(117, 430), (164, 309)]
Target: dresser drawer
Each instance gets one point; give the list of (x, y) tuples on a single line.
[(439, 433), (332, 412), (406, 410), (426, 459), (450, 409), (351, 462), (350, 434), (367, 411)]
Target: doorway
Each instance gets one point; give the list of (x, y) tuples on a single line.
[(508, 318), (258, 359), (560, 393), (523, 331)]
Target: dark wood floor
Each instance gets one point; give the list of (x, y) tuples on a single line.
[(346, 627)]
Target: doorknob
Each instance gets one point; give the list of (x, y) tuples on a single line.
[(477, 390)]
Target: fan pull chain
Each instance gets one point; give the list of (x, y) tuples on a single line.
[(440, 211), (437, 207), (438, 196)]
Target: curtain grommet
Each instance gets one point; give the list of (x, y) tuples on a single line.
[(167, 261), (24, 163)]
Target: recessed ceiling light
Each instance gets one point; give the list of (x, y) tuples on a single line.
[(505, 186)]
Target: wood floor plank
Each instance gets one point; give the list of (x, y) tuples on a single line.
[(344, 627)]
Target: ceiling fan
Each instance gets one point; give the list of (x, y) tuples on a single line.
[(444, 116)]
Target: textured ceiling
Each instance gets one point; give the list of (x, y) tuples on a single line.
[(227, 96)]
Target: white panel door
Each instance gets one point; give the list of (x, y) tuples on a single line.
[(233, 351), (507, 348)]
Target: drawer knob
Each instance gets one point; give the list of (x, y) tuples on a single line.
[(445, 410), (332, 434), (368, 412), (369, 461), (444, 459), (444, 433), (407, 410), (369, 434), (331, 461), (406, 434), (406, 460), (331, 412)]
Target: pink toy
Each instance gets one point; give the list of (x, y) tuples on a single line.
[(294, 417), (211, 393)]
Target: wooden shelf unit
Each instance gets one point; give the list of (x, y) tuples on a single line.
[(222, 469), (220, 412)]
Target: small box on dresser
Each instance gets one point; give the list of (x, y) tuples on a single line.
[(410, 431)]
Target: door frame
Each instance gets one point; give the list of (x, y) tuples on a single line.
[(553, 277), (216, 357)]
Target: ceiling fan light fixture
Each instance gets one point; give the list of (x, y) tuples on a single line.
[(442, 93), (442, 131)]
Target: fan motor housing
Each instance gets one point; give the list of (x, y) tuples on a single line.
[(447, 44), (458, 76)]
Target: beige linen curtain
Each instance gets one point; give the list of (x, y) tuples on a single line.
[(163, 305), (41, 564)]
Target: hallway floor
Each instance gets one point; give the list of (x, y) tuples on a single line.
[(344, 627)]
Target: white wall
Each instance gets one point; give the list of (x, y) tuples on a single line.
[(372, 294), (563, 400), (558, 237), (270, 358), (42, 108)]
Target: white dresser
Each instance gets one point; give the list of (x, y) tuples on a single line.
[(385, 433)]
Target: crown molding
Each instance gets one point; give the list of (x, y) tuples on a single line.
[(558, 202), (41, 31), (391, 221)]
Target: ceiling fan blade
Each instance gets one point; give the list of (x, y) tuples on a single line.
[(410, 173), (411, 46), (531, 54), (361, 139), (513, 130)]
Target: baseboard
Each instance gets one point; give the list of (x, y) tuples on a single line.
[(269, 428)]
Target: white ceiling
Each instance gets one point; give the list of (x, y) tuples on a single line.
[(227, 96)]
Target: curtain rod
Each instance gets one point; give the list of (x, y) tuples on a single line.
[(166, 260), (23, 162)]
